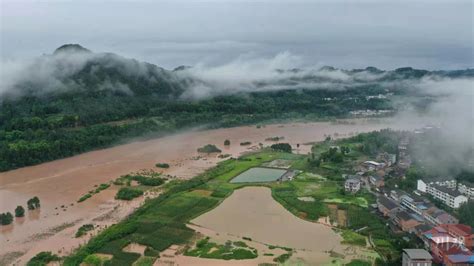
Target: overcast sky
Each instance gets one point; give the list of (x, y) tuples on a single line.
[(347, 34)]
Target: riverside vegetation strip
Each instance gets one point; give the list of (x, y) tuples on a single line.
[(161, 222)]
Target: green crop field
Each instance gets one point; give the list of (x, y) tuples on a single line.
[(258, 175)]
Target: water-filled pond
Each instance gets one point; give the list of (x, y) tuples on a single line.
[(259, 174)]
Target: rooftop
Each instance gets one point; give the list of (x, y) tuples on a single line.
[(352, 181), (460, 258), (422, 228), (373, 163), (403, 215), (449, 191), (387, 203), (419, 254)]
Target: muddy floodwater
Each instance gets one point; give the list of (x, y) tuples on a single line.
[(59, 184), (252, 212)]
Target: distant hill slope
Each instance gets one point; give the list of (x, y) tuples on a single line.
[(75, 69), (75, 100)]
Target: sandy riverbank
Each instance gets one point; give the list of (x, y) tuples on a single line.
[(63, 182)]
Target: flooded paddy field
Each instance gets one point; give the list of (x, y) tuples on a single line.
[(252, 212)]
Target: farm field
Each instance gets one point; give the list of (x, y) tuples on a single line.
[(259, 174)]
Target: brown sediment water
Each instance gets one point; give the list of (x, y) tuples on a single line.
[(63, 182), (252, 212)]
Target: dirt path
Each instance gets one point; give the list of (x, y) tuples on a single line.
[(63, 182)]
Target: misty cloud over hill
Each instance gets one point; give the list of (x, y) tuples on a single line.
[(75, 68)]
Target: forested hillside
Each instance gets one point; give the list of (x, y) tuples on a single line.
[(75, 100)]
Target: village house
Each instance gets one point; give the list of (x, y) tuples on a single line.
[(450, 244), (387, 207), (387, 158), (407, 221), (451, 254), (437, 217), (352, 184), (395, 194), (404, 160), (423, 207), (416, 257), (414, 203), (421, 229), (377, 181), (373, 165)]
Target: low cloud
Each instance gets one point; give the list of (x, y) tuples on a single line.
[(282, 71), (452, 147)]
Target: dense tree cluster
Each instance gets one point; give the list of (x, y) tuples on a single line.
[(334, 154), (385, 140), (284, 147)]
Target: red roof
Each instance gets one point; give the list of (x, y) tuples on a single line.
[(460, 229), (453, 249)]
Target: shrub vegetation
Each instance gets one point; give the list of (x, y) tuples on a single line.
[(128, 193), (162, 165), (209, 148), (84, 229), (42, 259)]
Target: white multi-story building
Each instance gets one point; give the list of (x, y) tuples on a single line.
[(445, 190), (467, 189), (450, 197)]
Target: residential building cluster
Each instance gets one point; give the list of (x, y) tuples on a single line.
[(449, 242)]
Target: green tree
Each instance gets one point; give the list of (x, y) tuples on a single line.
[(466, 213), (33, 203), (226, 142), (6, 218), (19, 211)]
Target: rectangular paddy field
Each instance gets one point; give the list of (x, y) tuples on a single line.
[(259, 174)]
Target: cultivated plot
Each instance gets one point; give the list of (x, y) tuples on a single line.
[(259, 174)]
